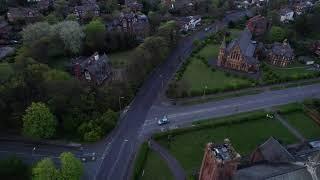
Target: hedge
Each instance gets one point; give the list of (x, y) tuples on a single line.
[(290, 108), (140, 160), (211, 124)]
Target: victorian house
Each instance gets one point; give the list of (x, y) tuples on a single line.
[(95, 69), (239, 54), (281, 54)]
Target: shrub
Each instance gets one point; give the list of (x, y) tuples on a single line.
[(140, 160)]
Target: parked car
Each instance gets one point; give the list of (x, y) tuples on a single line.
[(163, 121)]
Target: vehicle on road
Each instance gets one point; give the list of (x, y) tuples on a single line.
[(163, 121), (88, 157)]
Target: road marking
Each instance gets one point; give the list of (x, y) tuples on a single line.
[(118, 157)]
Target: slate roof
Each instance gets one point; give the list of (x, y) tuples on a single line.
[(285, 11), (273, 151), (247, 46), (282, 49), (99, 68)]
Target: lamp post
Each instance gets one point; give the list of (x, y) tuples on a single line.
[(204, 90), (120, 97)]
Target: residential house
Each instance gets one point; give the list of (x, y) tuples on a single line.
[(6, 51), (5, 31), (286, 15), (134, 6), (188, 23), (315, 48), (302, 7), (134, 23), (239, 54), (23, 15), (95, 69), (281, 54), (88, 8), (42, 5), (258, 25), (220, 161), (273, 161)]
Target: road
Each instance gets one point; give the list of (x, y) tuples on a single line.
[(184, 115), (116, 152)]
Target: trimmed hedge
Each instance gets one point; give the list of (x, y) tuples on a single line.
[(140, 160), (289, 108)]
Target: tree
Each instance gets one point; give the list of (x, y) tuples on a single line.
[(38, 121), (34, 32), (277, 34), (71, 35), (95, 35), (3, 6), (45, 169), (71, 167), (6, 72), (60, 8), (111, 5), (14, 168), (155, 19)]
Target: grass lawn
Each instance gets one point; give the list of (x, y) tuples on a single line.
[(235, 33), (294, 70), (155, 168), (198, 75), (120, 59), (304, 124), (188, 147), (210, 51)]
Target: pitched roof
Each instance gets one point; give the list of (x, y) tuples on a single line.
[(282, 49)]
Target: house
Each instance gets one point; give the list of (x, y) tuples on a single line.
[(134, 6), (23, 15), (302, 7), (306, 60), (220, 161), (41, 5), (6, 51), (88, 8), (188, 23), (281, 54), (239, 54), (5, 31), (315, 48), (286, 15), (273, 161), (133, 23), (258, 25), (95, 69)]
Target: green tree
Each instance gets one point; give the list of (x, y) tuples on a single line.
[(38, 121), (3, 6), (95, 35), (71, 35), (34, 32), (6, 71), (14, 168), (111, 5), (45, 169), (277, 34), (71, 167), (60, 8)]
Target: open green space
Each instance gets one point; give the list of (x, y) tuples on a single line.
[(155, 168), (209, 51), (304, 124), (292, 71), (188, 147), (234, 33), (120, 59), (198, 76)]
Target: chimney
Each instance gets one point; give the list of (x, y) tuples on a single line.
[(96, 56)]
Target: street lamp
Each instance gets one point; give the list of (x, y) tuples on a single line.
[(120, 97), (204, 90)]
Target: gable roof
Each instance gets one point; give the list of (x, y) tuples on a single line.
[(282, 49)]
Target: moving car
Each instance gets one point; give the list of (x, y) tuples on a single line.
[(163, 121)]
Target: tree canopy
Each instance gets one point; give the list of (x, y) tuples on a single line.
[(45, 169)]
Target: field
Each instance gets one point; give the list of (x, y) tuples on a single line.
[(188, 147), (198, 76), (292, 71), (120, 59), (155, 168)]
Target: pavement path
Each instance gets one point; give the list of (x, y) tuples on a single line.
[(293, 130), (173, 164)]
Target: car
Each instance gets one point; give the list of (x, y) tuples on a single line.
[(163, 121)]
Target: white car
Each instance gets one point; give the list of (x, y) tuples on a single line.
[(163, 121)]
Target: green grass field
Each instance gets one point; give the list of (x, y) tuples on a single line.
[(188, 147), (209, 51), (294, 70), (235, 33), (120, 59), (304, 124), (198, 75), (155, 168)]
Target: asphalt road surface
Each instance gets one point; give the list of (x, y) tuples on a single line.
[(185, 115)]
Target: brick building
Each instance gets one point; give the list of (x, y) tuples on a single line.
[(281, 54), (220, 162), (239, 54), (258, 25)]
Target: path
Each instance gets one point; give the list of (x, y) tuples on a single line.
[(173, 164), (293, 130)]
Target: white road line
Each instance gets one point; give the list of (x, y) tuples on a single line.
[(118, 157)]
